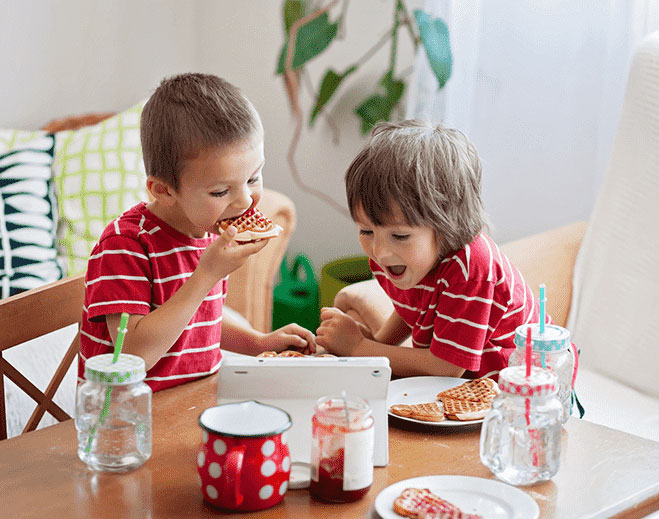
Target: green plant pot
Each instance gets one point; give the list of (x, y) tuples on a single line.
[(340, 273)]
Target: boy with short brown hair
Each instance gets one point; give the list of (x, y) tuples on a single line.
[(162, 262)]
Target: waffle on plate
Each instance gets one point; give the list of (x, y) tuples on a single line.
[(421, 503), (471, 400)]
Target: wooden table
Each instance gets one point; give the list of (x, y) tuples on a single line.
[(603, 472)]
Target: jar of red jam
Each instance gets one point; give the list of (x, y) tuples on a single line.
[(341, 449)]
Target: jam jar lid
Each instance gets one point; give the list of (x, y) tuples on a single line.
[(554, 338), (541, 381), (128, 369)]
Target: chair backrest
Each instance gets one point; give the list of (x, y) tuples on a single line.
[(30, 315), (615, 298)]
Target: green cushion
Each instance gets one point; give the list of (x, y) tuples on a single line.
[(99, 174)]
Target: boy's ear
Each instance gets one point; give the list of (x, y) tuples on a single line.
[(160, 190)]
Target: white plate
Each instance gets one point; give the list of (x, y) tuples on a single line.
[(418, 390), (490, 498)]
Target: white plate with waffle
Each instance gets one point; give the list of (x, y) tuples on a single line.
[(417, 390), (489, 498)]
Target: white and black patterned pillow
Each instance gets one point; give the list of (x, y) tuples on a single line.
[(28, 257)]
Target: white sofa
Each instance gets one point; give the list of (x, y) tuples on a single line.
[(609, 281)]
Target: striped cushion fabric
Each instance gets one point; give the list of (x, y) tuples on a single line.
[(27, 212), (99, 174)]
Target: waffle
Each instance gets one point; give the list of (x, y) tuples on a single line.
[(267, 354), (465, 409), (251, 225), (421, 503), (476, 390), (290, 353), (427, 412)]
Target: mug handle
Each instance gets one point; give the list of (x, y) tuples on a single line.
[(233, 467)]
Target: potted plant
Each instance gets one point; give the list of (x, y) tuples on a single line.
[(311, 27)]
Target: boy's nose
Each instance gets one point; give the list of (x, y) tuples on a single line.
[(244, 200), (380, 252)]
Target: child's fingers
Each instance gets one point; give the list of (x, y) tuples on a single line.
[(328, 312), (296, 341), (227, 236)]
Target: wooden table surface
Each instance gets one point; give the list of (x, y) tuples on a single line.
[(603, 472)]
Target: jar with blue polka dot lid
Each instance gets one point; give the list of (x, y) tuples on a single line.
[(521, 435), (113, 413), (552, 349)]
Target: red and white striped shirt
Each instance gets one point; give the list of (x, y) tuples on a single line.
[(137, 265), (467, 308)]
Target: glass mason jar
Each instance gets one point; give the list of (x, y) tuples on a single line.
[(113, 414), (342, 448), (521, 435), (551, 349)]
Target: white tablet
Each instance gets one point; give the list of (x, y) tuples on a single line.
[(294, 384)]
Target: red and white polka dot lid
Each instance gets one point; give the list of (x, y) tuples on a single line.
[(541, 381)]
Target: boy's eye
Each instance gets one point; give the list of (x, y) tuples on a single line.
[(254, 180), (400, 237), (363, 232), (219, 194)]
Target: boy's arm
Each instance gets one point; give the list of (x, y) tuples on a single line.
[(394, 330), (408, 362), (339, 333), (150, 336), (239, 338)]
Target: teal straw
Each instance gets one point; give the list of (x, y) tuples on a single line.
[(543, 300), (108, 392)]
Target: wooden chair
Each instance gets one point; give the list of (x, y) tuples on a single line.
[(30, 315)]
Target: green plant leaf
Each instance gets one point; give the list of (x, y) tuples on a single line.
[(330, 83), (293, 11), (434, 37), (311, 39), (378, 107)]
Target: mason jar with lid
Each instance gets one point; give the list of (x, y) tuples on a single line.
[(521, 435), (113, 413), (551, 349), (342, 448)]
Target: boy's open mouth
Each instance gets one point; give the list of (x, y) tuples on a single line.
[(396, 270)]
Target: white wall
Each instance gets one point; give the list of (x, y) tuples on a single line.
[(65, 57)]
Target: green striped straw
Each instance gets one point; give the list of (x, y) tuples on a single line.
[(108, 392)]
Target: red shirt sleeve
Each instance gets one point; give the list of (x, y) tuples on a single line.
[(465, 316), (119, 278)]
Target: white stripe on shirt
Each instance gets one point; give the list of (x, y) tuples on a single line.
[(119, 251), (456, 345), (192, 350), (464, 321), (476, 298), (119, 301), (105, 278), (174, 251)]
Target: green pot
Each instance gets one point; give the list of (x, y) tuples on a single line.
[(340, 273)]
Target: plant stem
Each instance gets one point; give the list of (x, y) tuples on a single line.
[(407, 22), (394, 38), (290, 76)]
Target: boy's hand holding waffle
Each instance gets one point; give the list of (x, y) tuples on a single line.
[(252, 225), (469, 401)]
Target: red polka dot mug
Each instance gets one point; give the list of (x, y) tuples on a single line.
[(244, 462)]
